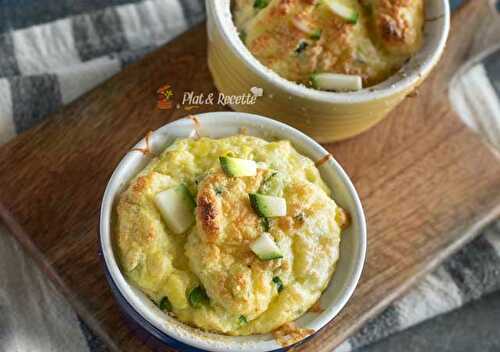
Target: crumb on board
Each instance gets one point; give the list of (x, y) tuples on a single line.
[(289, 334)]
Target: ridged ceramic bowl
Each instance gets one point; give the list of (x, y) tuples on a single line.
[(326, 116), (215, 125)]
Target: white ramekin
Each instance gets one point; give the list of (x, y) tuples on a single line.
[(326, 116), (215, 125)]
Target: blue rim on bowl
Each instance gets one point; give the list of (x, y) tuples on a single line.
[(159, 335), (218, 124)]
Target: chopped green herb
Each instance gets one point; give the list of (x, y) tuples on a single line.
[(198, 178), (198, 297), (279, 283), (299, 217), (316, 34), (218, 191), (242, 320), (243, 36), (302, 46), (260, 4), (312, 81), (165, 304), (265, 224)]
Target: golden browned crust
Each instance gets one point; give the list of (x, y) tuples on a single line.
[(288, 334), (207, 215), (343, 218), (283, 7), (386, 33), (398, 24), (137, 227), (223, 209), (316, 308)]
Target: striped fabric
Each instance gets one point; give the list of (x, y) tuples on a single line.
[(48, 65), (65, 58)]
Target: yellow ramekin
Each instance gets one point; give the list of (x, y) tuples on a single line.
[(326, 116)]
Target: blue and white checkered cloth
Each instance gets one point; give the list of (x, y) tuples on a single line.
[(45, 66)]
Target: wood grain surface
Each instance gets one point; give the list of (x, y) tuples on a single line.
[(426, 182)]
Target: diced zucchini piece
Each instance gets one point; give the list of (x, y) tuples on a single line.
[(265, 248), (347, 13), (336, 82), (176, 206), (268, 206), (238, 167)]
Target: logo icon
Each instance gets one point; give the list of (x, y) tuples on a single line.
[(191, 100), (165, 95)]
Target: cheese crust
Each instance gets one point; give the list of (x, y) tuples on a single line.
[(297, 38)]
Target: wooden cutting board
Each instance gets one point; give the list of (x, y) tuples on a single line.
[(425, 180)]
